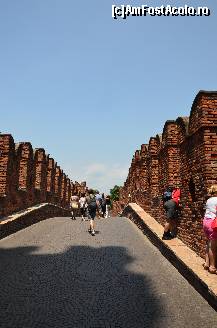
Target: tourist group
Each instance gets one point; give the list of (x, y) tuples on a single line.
[(90, 205)]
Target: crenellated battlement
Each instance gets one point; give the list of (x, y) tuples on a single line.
[(29, 176), (184, 155)]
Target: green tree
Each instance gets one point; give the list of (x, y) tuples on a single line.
[(114, 192)]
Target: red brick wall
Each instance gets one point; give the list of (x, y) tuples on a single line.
[(51, 169), (26, 174), (184, 155), (7, 149), (57, 185), (9, 175), (29, 177), (40, 169), (153, 177), (63, 191), (68, 191)]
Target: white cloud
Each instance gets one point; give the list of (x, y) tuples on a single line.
[(99, 175), (95, 169)]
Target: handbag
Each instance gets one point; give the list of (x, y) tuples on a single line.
[(214, 224), (74, 205)]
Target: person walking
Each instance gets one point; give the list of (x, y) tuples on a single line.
[(99, 204), (82, 205), (108, 206), (211, 234), (103, 205), (74, 202), (92, 207), (87, 196)]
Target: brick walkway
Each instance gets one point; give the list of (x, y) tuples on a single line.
[(54, 274)]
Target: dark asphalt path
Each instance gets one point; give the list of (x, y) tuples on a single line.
[(54, 274)]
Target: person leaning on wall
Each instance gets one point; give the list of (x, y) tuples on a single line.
[(171, 198)]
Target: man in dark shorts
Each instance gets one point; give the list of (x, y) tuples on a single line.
[(92, 207), (170, 207)]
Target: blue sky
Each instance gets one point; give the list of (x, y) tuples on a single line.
[(90, 89)]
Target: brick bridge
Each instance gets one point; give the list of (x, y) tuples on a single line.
[(54, 274)]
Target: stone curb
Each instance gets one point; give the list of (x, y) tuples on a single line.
[(186, 261), (29, 216)]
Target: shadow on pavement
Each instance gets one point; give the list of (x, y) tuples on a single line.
[(80, 287)]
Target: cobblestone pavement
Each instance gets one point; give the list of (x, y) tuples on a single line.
[(54, 274)]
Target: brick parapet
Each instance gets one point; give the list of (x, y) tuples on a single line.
[(63, 190), (185, 155), (7, 153), (51, 169), (29, 176)]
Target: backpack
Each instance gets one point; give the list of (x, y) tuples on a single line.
[(92, 204)]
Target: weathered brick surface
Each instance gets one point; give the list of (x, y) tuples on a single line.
[(79, 188), (63, 190), (68, 190), (29, 177), (9, 175), (57, 185), (40, 163), (184, 155), (51, 169), (26, 174)]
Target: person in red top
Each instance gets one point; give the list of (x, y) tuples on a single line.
[(176, 198), (176, 195)]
